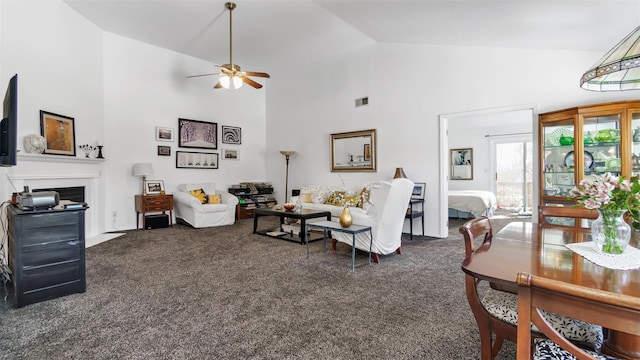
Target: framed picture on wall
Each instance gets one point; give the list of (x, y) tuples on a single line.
[(196, 160), (461, 164), (230, 154), (197, 134), (231, 135), (164, 133), (164, 150), (59, 133)]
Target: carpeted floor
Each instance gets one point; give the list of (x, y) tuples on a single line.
[(224, 293)]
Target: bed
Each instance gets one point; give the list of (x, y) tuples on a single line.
[(467, 204)]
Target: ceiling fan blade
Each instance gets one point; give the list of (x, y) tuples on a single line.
[(258, 74), (251, 82), (217, 85), (192, 76)]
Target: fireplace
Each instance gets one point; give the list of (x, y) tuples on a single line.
[(75, 179), (73, 193)]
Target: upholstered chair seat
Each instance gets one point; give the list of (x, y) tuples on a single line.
[(504, 306), (545, 349)]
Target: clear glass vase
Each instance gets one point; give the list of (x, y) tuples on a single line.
[(610, 233)]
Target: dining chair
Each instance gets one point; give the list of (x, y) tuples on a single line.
[(538, 296), (545, 213), (496, 312), (488, 324)]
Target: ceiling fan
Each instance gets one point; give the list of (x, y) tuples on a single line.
[(230, 75)]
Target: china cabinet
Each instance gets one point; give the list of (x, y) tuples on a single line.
[(607, 137)]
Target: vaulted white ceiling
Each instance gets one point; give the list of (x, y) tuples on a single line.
[(281, 31)]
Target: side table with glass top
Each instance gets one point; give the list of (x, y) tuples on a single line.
[(328, 226)]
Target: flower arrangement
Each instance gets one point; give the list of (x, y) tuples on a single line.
[(612, 196), (609, 192)]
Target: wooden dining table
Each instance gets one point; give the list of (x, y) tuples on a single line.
[(527, 247)]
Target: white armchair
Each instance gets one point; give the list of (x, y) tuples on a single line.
[(189, 209), (388, 206)]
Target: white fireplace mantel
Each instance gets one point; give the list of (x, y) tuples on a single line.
[(38, 171), (58, 158)]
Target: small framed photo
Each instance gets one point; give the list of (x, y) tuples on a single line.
[(154, 186), (196, 160), (230, 154), (164, 150), (418, 191), (59, 134), (164, 134), (197, 134), (231, 135)]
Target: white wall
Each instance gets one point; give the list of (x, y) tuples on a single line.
[(145, 87), (58, 58), (409, 86), (118, 90)]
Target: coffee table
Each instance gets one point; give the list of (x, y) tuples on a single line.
[(302, 215)]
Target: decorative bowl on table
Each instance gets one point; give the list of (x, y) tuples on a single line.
[(289, 206)]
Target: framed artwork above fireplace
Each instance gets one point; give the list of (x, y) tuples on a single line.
[(59, 133)]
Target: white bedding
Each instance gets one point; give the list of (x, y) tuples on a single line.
[(477, 202)]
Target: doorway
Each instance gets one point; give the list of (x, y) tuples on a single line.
[(521, 118)]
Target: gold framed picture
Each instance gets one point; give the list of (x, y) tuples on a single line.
[(59, 133)]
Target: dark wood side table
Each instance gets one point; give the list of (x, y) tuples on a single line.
[(153, 203), (413, 213)]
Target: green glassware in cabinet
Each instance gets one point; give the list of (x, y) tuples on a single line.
[(587, 138), (566, 140)]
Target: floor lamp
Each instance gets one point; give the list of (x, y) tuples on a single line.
[(287, 154)]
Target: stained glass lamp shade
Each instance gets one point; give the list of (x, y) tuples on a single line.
[(619, 69)]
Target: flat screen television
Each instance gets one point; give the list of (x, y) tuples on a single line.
[(9, 125)]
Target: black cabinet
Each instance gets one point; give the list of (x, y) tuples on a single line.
[(46, 253)]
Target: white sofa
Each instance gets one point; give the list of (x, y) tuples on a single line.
[(385, 213), (190, 210)]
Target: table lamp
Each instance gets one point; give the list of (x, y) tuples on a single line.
[(399, 174), (144, 170)]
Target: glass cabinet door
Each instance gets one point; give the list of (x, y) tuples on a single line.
[(635, 143), (601, 139), (557, 157)]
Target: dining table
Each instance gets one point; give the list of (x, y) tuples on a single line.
[(531, 248)]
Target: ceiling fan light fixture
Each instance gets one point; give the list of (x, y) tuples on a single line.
[(237, 82), (230, 75), (224, 80), (228, 82)]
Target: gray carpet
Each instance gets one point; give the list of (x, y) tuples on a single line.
[(224, 293)]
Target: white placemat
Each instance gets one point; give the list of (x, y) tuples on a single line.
[(629, 259)]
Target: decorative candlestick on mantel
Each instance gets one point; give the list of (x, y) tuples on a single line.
[(99, 152), (88, 149)]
